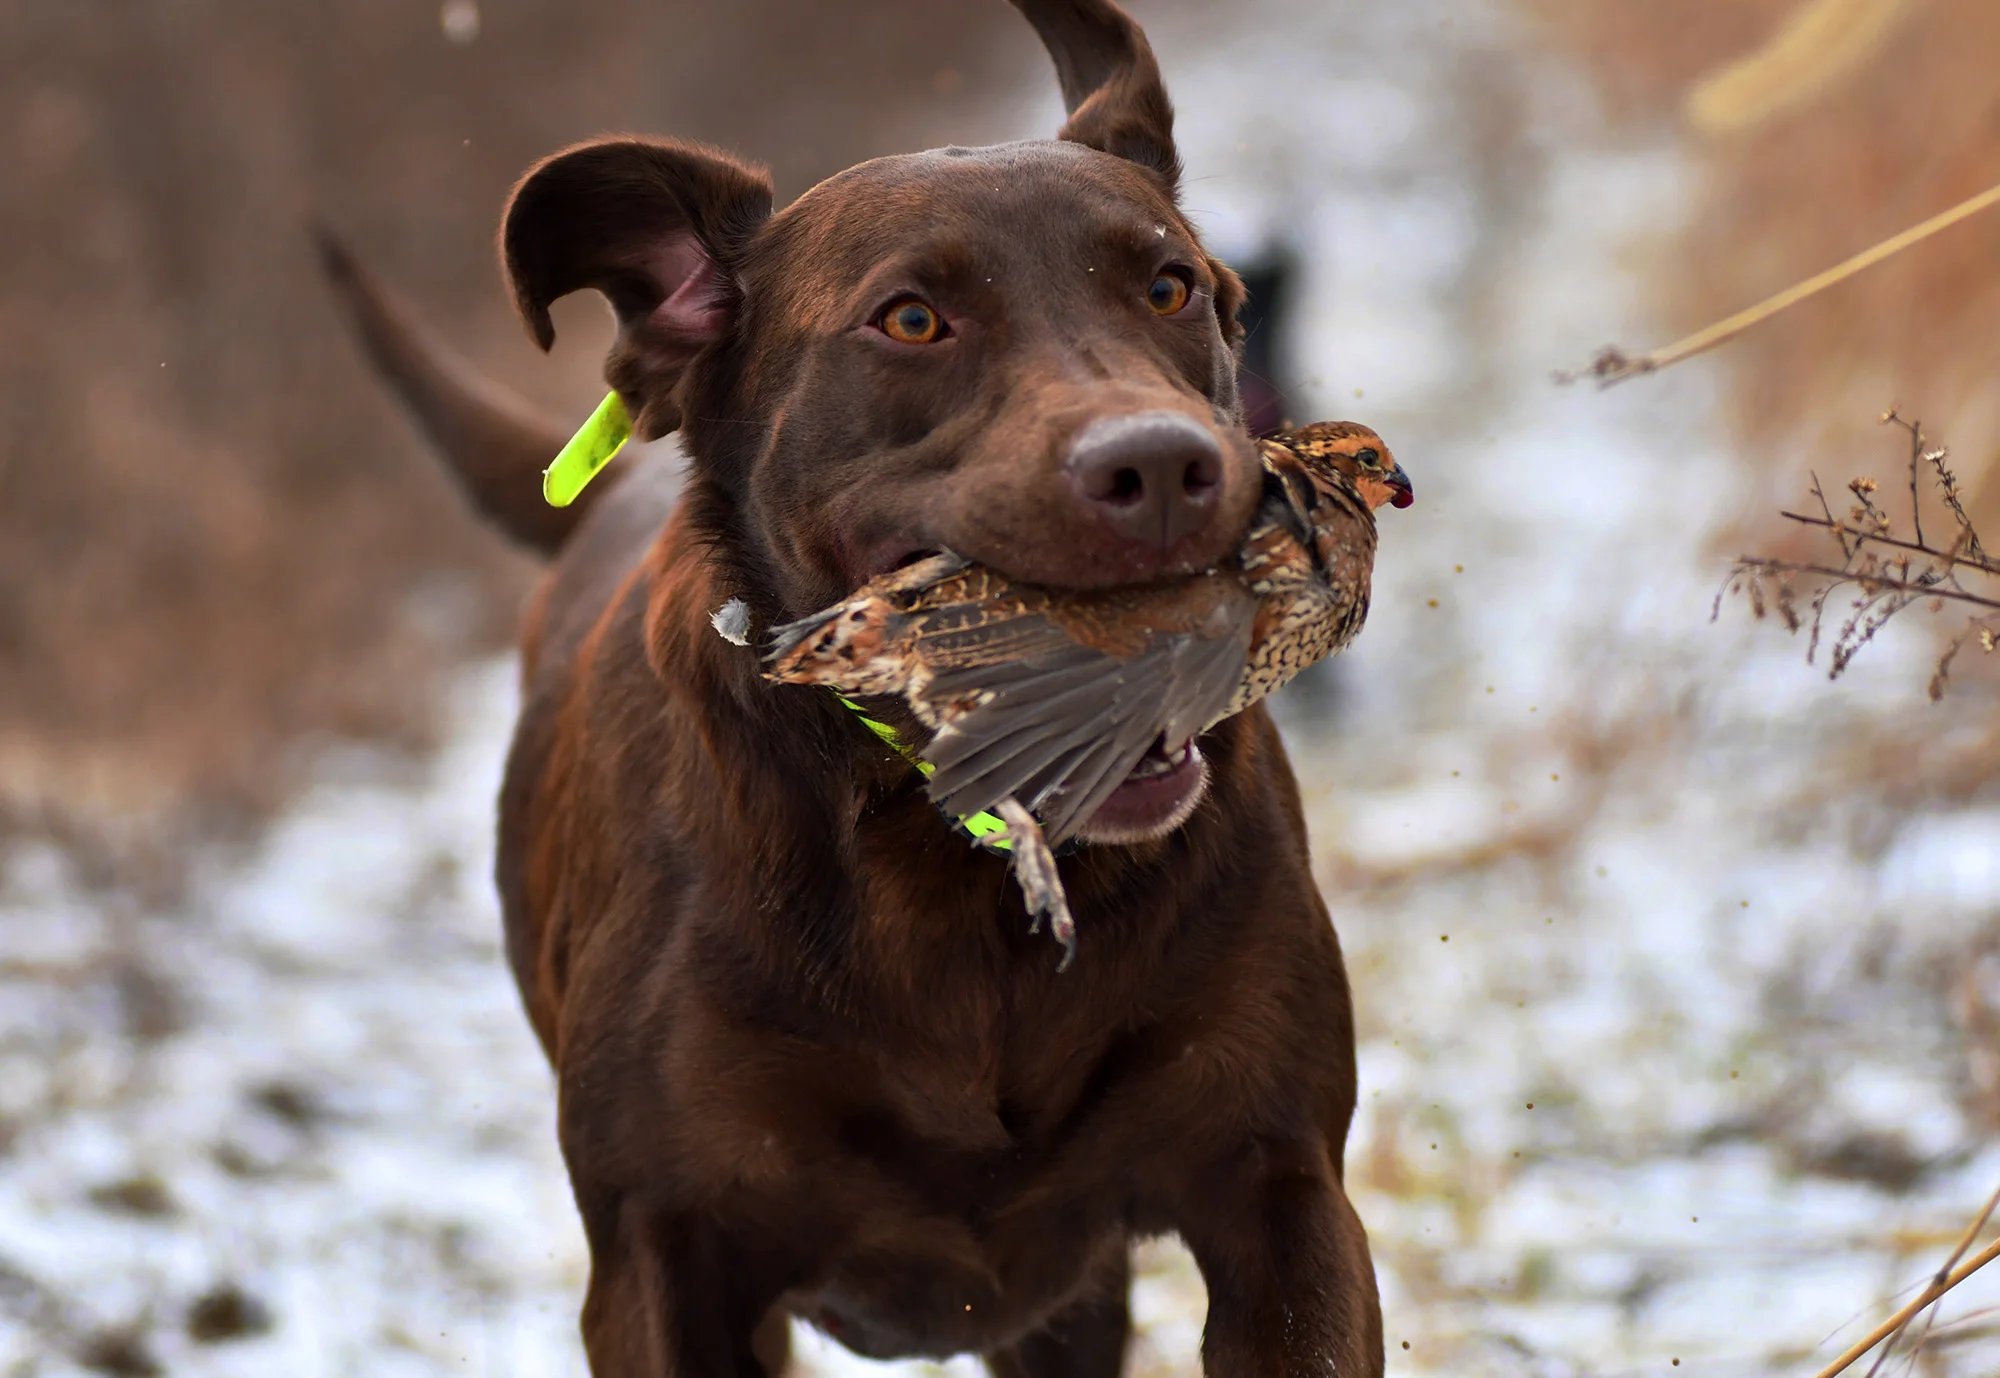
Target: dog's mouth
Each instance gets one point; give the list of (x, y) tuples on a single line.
[(1156, 796), (889, 559), (1154, 799)]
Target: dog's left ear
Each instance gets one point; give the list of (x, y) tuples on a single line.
[(1230, 294), (1110, 83), (658, 227)]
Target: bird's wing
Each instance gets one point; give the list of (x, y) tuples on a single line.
[(1314, 593), (844, 646), (1289, 492), (1061, 728), (1046, 696)]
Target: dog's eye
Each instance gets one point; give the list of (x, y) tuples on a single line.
[(909, 321), (1168, 294), (1368, 457)]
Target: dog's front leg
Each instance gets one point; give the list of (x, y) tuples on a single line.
[(1291, 1290), (671, 1295)]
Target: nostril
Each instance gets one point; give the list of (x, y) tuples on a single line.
[(1154, 477)]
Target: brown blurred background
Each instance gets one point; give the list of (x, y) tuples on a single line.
[(1735, 932), (220, 542), (1822, 126)]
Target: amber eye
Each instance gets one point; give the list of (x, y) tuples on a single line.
[(909, 321), (1168, 294), (1367, 457)]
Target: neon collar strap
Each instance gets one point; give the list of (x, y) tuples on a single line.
[(588, 451), (984, 827)]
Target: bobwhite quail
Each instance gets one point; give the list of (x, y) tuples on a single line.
[(1042, 701)]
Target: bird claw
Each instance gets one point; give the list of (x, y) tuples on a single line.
[(1035, 872)]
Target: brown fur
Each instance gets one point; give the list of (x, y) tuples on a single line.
[(810, 1059)]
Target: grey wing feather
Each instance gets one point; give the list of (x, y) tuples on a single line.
[(1029, 716), (1063, 729)]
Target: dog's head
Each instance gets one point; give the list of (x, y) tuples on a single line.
[(1022, 353)]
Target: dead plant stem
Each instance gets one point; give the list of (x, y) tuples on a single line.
[(1870, 583), (1615, 366), (1937, 1279)]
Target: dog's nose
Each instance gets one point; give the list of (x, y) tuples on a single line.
[(1155, 476)]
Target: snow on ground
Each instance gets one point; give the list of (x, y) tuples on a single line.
[(1669, 1021), (310, 1081)]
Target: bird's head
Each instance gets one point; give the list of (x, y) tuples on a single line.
[(1358, 454)]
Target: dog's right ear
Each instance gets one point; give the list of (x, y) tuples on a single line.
[(1111, 83), (658, 227)]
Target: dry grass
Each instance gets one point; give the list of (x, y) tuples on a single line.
[(1952, 1273), (1615, 365), (1820, 127)]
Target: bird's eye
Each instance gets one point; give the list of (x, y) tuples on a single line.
[(1168, 294), (910, 321), (1368, 456)]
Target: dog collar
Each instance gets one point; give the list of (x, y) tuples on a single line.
[(984, 827), (588, 451)]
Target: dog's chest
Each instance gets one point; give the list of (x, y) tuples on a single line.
[(955, 1217), (964, 1249)]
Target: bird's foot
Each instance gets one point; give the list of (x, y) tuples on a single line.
[(1035, 872)]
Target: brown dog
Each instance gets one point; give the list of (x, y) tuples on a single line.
[(811, 1061)]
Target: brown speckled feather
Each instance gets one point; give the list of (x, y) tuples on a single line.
[(1052, 696)]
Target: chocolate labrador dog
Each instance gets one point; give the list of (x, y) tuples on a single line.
[(811, 1061)]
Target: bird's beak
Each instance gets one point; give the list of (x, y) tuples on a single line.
[(1404, 493)]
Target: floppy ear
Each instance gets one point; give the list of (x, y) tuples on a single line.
[(658, 228), (1110, 83)]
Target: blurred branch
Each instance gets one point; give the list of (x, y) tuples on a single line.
[(1869, 583), (1983, 565), (1889, 571), (1614, 365)]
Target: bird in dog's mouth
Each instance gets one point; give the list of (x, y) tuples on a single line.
[(1064, 715)]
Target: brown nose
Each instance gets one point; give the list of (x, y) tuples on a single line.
[(1154, 476)]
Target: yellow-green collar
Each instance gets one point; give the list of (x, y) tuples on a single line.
[(588, 451), (985, 827)]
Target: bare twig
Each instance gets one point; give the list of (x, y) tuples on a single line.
[(1944, 1272), (1887, 571), (1871, 583), (1824, 506), (1613, 365), (1916, 459), (1978, 562), (1945, 1279), (1947, 481)]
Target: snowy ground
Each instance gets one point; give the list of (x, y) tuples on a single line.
[(1676, 1025)]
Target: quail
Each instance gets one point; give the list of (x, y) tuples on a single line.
[(1042, 701)]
